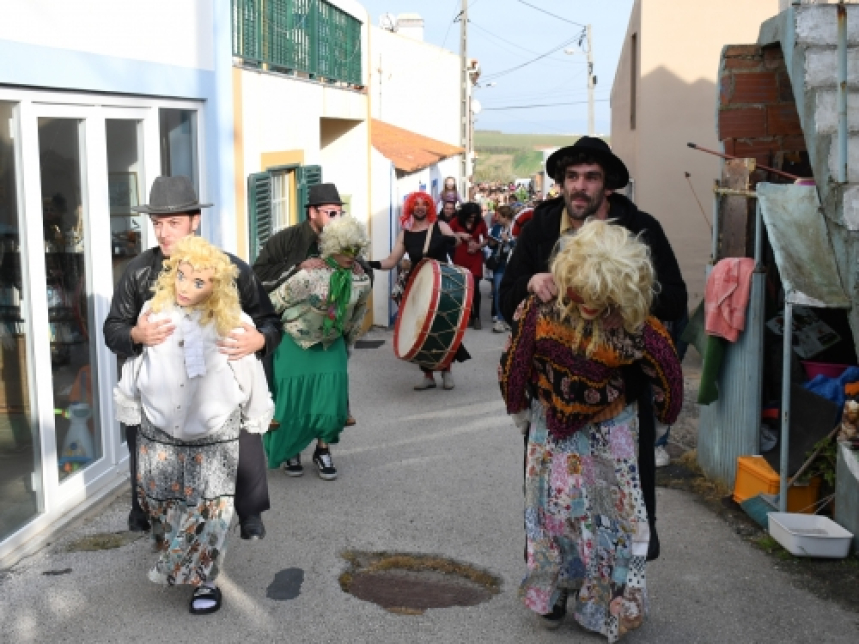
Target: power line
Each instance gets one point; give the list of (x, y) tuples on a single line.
[(525, 107), (504, 42), (533, 60), (551, 14)]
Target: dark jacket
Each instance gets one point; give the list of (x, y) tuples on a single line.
[(282, 254), (537, 240), (135, 289)]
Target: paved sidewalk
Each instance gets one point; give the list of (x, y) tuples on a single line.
[(424, 472)]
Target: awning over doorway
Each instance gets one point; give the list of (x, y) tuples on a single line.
[(803, 251)]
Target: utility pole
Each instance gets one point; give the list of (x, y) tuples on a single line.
[(464, 97), (592, 81)]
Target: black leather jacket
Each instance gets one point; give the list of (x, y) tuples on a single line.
[(135, 289)]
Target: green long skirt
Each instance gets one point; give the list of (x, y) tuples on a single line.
[(310, 388)]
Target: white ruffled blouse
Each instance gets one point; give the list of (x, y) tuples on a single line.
[(187, 387)]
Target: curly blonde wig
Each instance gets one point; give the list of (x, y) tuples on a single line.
[(222, 307), (344, 235), (610, 270)]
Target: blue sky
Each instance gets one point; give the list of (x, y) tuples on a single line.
[(506, 33)]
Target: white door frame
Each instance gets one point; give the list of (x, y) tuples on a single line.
[(92, 109)]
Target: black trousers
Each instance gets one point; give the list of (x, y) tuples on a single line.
[(475, 300), (251, 481)]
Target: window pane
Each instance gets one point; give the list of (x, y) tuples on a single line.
[(280, 202), (20, 455), (179, 144), (68, 292), (124, 178)]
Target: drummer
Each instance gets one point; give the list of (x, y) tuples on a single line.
[(418, 221)]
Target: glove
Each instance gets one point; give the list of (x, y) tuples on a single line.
[(376, 266)]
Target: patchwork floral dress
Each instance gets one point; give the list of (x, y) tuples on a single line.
[(585, 520)]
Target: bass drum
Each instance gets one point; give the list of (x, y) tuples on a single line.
[(433, 315)]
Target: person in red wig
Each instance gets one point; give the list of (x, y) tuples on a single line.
[(418, 221)]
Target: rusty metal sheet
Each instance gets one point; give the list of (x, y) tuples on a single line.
[(801, 244), (736, 215)]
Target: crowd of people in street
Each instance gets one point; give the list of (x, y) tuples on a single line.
[(232, 370)]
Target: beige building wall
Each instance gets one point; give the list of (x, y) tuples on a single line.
[(679, 44)]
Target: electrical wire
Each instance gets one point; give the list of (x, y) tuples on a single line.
[(533, 60), (504, 42), (527, 107), (551, 14)]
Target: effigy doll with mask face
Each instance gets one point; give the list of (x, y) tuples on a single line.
[(191, 403)]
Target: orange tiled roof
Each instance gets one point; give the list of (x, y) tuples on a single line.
[(409, 152)]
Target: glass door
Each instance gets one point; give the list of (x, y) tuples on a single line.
[(21, 490), (72, 329)]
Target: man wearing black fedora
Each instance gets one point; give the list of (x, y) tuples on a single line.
[(588, 175), (175, 213), (295, 248)]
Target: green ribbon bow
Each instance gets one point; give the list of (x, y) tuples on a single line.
[(339, 292)]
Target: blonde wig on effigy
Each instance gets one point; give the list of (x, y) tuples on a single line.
[(222, 307), (345, 235), (610, 270)]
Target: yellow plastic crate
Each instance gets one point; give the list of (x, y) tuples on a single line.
[(755, 476)]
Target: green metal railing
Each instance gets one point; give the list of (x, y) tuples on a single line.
[(309, 36)]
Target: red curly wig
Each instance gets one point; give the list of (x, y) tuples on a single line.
[(409, 208)]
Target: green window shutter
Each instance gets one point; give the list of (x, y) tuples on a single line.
[(306, 176), (259, 212)]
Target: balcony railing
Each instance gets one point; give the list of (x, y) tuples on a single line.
[(309, 36)]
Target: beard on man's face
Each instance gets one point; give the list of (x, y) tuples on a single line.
[(577, 208)]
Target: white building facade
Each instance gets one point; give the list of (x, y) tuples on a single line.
[(102, 98)]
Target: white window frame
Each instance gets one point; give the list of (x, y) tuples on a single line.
[(60, 498)]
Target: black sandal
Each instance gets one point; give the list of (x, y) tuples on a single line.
[(204, 592)]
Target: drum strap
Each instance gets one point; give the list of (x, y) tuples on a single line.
[(429, 237)]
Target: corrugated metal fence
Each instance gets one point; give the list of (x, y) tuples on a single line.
[(729, 427), (310, 36)]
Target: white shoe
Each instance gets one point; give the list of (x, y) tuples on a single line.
[(426, 382), (662, 457), (447, 380), (499, 327)]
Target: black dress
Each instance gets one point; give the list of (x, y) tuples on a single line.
[(438, 250)]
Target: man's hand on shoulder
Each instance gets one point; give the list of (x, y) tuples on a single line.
[(242, 342), (312, 263), (150, 333), (543, 286)]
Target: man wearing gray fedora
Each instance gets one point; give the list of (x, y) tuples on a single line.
[(175, 212)]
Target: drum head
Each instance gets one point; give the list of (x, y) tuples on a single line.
[(411, 324)]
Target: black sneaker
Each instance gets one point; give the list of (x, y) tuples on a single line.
[(553, 620), (293, 466), (138, 521), (324, 464)]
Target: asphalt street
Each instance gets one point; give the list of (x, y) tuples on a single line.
[(436, 472)]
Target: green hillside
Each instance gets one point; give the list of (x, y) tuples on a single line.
[(495, 139), (504, 157)]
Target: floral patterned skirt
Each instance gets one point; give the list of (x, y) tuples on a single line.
[(187, 489), (586, 524)]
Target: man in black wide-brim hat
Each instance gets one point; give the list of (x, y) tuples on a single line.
[(175, 212), (589, 174)]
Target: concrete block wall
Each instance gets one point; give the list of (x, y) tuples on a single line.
[(757, 115), (807, 36)]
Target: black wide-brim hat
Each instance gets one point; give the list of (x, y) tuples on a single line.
[(616, 174), (323, 193), (171, 195)]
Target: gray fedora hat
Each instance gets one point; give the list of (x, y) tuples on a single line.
[(323, 193), (171, 195)]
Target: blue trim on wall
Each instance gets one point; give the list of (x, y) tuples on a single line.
[(51, 68)]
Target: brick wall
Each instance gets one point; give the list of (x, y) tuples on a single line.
[(757, 114)]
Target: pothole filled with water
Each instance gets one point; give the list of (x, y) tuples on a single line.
[(410, 584)]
